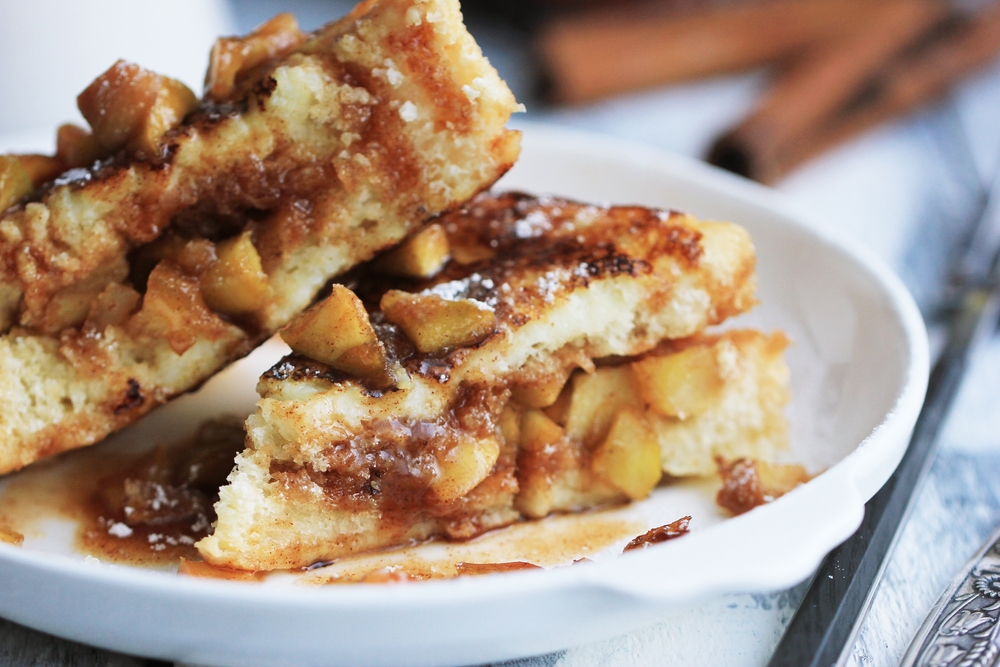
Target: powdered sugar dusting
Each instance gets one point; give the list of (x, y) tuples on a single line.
[(119, 529), (534, 224), (476, 287), (408, 112), (452, 290), (550, 282)]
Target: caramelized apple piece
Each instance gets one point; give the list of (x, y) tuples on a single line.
[(559, 410), (597, 397), (629, 458), (777, 479), (681, 385), (235, 283), (174, 309), (338, 332), (113, 306), (76, 147), (510, 425), (748, 483), (41, 168), (539, 392), (470, 253), (196, 256), (233, 56), (367, 362), (15, 181), (173, 102), (540, 451), (435, 324), (420, 256), (463, 467), (671, 531), (71, 306), (10, 536), (130, 107), (538, 430)]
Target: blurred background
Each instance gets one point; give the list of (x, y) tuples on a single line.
[(878, 119)]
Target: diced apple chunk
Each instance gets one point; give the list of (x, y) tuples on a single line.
[(748, 483), (470, 253), (70, 306), (559, 409), (131, 107), (681, 385), (233, 56), (173, 308), (777, 479), (629, 458), (41, 168), (539, 431), (539, 392), (542, 450), (435, 324), (365, 361), (463, 467), (15, 181), (196, 256), (77, 147), (113, 306), (338, 332), (510, 425), (420, 256), (10, 536), (597, 397), (173, 102), (235, 284)]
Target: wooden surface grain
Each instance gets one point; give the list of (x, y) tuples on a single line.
[(24, 647)]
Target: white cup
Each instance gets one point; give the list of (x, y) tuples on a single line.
[(50, 50)]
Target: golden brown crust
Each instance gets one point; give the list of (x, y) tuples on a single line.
[(522, 254)]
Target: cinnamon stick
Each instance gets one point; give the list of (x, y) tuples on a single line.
[(910, 83), (818, 84), (789, 128), (603, 52)]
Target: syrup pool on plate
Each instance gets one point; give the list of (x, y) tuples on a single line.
[(148, 508)]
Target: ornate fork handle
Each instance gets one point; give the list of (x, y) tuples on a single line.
[(963, 629)]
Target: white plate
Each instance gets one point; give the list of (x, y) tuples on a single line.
[(859, 371)]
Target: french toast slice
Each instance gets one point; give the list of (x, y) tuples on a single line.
[(129, 280), (683, 406), (416, 413)]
